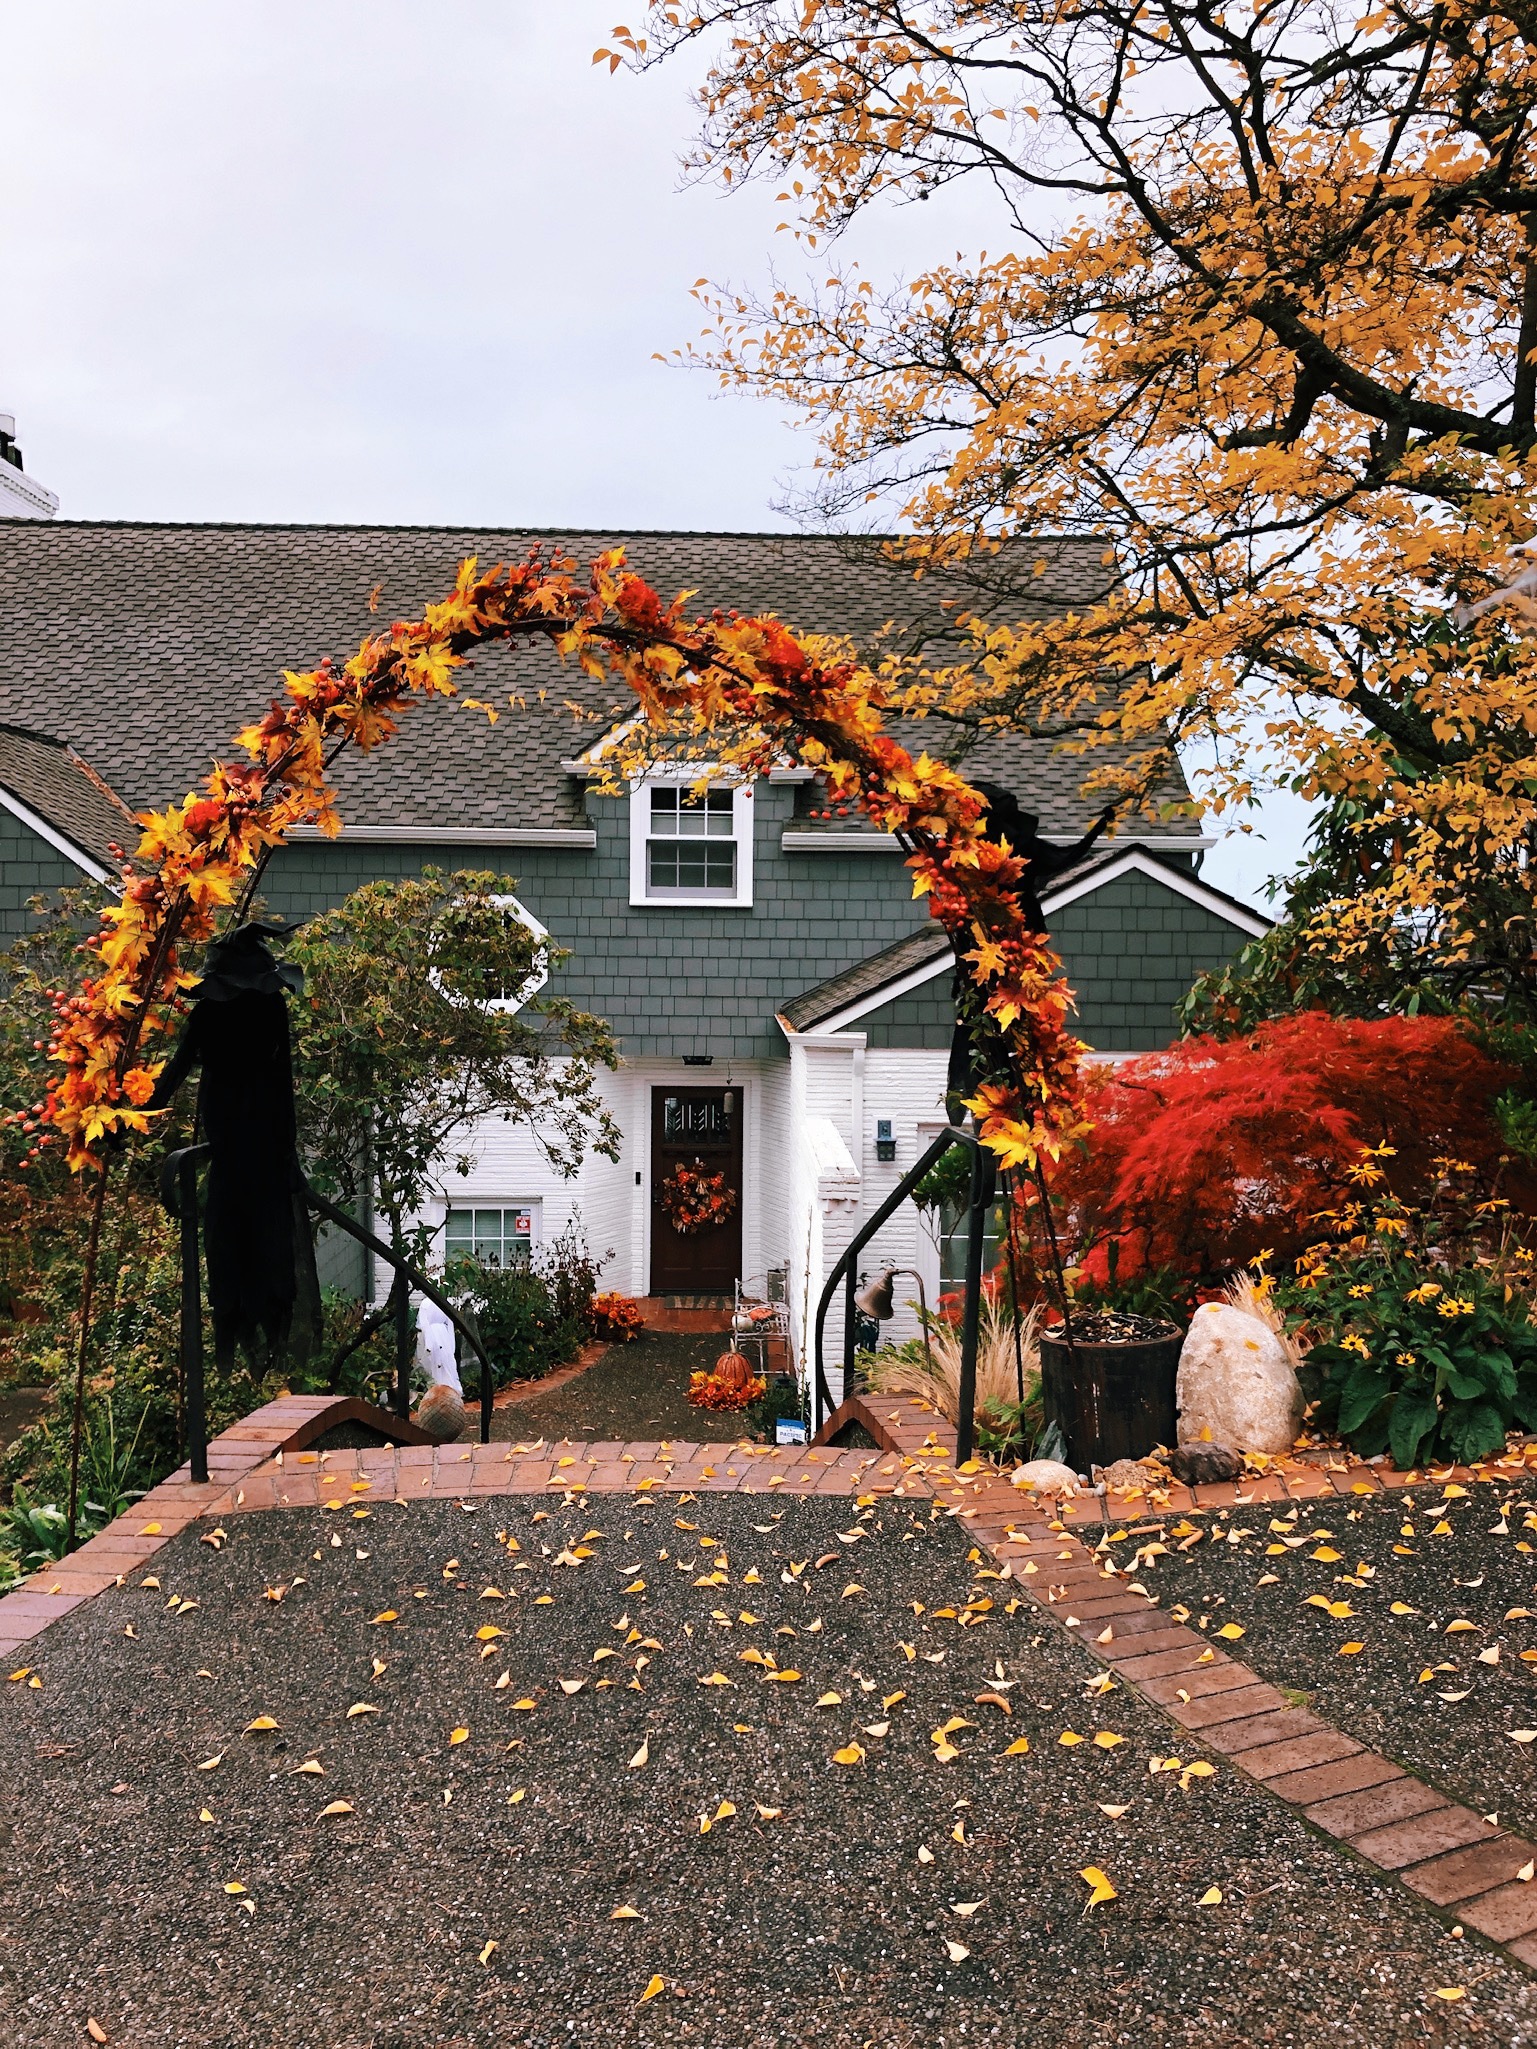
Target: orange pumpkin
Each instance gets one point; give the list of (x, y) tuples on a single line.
[(733, 1370)]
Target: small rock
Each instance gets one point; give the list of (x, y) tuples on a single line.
[(1129, 1475), (1047, 1476), (1237, 1384), (1198, 1464)]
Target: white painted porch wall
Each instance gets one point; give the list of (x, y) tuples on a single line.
[(908, 1087), (615, 1208)]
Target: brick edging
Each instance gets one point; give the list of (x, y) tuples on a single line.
[(288, 1424), (1445, 1853)]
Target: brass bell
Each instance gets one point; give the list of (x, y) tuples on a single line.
[(875, 1298)]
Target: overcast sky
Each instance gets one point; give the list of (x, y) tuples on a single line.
[(381, 260)]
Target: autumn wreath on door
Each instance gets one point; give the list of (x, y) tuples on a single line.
[(693, 1198)]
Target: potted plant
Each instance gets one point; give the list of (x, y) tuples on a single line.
[(1107, 1382)]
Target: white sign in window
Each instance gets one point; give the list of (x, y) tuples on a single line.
[(494, 1237)]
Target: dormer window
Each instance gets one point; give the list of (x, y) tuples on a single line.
[(690, 846)]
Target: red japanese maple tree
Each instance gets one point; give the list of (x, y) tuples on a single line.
[(1207, 1154)]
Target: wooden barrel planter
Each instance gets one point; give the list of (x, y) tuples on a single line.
[(1112, 1392)]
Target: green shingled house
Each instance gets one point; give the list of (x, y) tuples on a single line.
[(780, 999)]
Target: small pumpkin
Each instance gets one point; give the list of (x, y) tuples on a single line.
[(733, 1370)]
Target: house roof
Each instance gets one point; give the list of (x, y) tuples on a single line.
[(160, 641), (926, 953), (61, 794), (882, 972)]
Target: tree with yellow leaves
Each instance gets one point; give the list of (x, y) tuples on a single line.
[(1262, 316)]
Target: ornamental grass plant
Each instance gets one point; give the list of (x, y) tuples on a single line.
[(1005, 1423)]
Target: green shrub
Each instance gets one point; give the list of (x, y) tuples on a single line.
[(534, 1317), (1413, 1358)]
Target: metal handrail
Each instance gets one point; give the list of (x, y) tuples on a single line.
[(422, 1285), (983, 1184), (179, 1195)]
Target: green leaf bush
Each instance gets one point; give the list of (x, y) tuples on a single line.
[(1421, 1361)]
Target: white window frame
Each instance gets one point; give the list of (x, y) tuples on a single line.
[(535, 981), (641, 893), (533, 1204)]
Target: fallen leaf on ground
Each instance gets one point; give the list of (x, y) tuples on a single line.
[(656, 1985), (363, 1707), (625, 1914), (851, 1753), (642, 1756), (1100, 1888), (457, 1736), (1018, 1747), (957, 1951), (489, 1951), (1212, 1897), (336, 1807), (262, 1723)]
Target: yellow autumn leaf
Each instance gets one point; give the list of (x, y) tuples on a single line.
[(457, 1736), (1212, 1897), (1068, 1738), (1349, 1650), (1018, 1747), (385, 1615), (489, 1951), (1100, 1888), (625, 1914), (642, 1756), (830, 1700), (234, 1886), (851, 1753), (1325, 1555), (1230, 1631), (651, 1991), (1104, 1740), (336, 1807), (488, 1632), (363, 1707), (715, 1679), (261, 1725)]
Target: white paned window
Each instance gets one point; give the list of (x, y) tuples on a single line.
[(688, 846), (500, 1236)]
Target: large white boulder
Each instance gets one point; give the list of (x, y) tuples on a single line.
[(1237, 1383), (1047, 1476)]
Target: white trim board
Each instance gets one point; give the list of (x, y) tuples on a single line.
[(457, 835), (54, 837), (1180, 880), (800, 839), (1133, 861)]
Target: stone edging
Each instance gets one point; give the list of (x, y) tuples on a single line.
[(1443, 1852), (288, 1424)]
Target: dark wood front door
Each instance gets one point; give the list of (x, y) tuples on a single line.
[(700, 1132)]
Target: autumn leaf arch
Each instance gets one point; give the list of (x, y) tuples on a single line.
[(749, 678)]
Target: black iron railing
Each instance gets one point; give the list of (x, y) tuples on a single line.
[(983, 1187), (179, 1194)]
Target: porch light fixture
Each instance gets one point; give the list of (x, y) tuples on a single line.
[(885, 1144)]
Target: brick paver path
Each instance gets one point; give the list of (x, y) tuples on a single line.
[(1445, 1853)]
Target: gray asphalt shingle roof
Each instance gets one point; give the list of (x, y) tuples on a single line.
[(63, 790), (150, 646)]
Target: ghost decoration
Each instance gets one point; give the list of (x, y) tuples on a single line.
[(440, 1412)]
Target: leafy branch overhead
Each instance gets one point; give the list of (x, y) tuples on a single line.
[(747, 681), (1257, 314)]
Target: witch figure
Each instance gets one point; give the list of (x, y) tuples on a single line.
[(256, 1226), (1008, 821)]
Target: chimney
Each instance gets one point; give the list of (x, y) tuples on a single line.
[(21, 497)]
